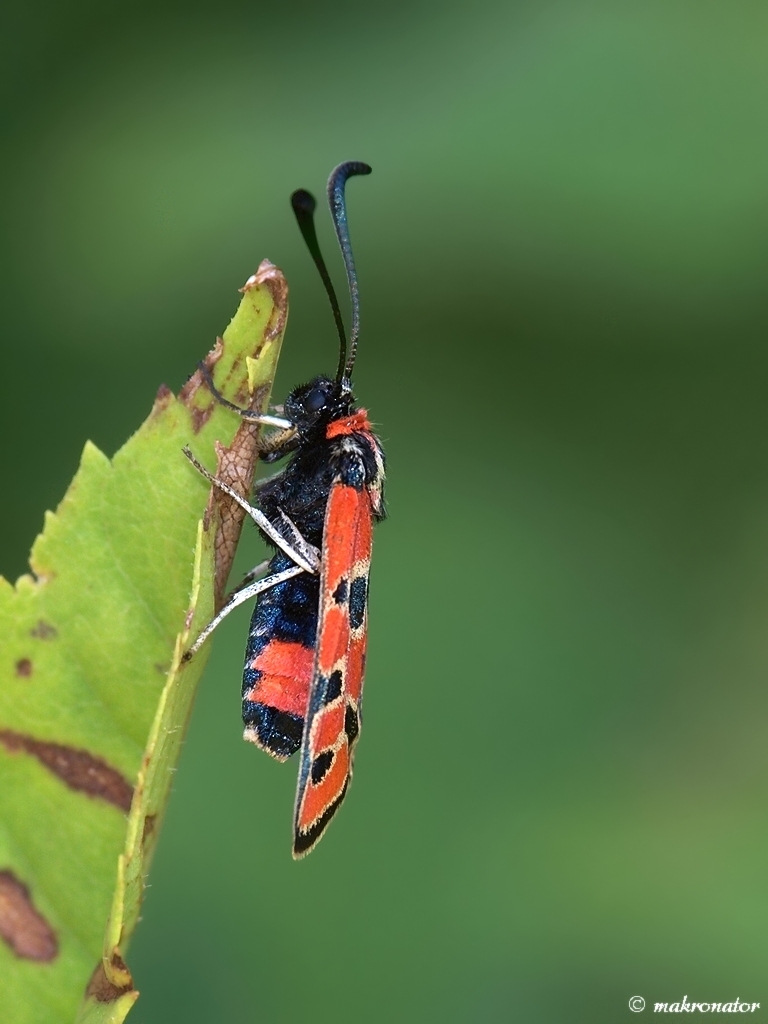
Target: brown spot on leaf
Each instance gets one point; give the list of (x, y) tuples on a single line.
[(150, 821), (195, 382), (77, 768), (44, 631), (200, 416), (22, 926), (102, 989), (163, 399), (24, 668)]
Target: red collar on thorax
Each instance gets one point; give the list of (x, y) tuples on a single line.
[(354, 424)]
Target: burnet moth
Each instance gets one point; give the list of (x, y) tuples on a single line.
[(305, 657)]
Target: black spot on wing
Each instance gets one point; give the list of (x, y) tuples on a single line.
[(341, 593), (357, 598), (320, 766), (351, 724), (333, 687)]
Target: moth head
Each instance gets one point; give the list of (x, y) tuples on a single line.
[(315, 404)]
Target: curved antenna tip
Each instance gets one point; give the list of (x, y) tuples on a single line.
[(337, 204), (303, 202), (346, 170)]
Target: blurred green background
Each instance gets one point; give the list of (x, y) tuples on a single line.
[(560, 798)]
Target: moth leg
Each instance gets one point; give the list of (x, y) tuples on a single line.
[(257, 570), (296, 538), (305, 554), (237, 598), (278, 443)]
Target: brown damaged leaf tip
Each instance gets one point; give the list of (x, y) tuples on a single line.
[(22, 926), (102, 989), (78, 769), (163, 399), (266, 273), (236, 465), (272, 278)]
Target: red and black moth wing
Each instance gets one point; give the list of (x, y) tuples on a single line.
[(332, 721), (305, 658)]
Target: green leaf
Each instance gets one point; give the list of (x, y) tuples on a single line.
[(94, 696)]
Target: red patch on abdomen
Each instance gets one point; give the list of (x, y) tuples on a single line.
[(286, 672)]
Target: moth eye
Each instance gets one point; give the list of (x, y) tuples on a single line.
[(315, 400)]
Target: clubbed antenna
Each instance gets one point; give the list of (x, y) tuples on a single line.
[(303, 204), (336, 183)]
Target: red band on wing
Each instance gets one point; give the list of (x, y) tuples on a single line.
[(331, 730), (361, 551), (328, 727), (333, 639), (356, 667), (319, 798), (346, 508)]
